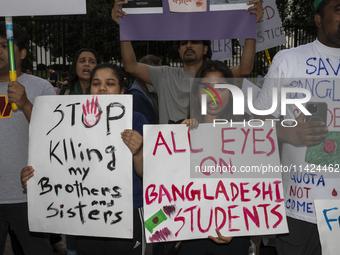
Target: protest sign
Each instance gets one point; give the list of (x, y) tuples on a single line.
[(315, 171), (178, 207), (218, 5), (221, 49), (42, 7), (170, 26), (269, 31), (328, 215), (188, 6), (143, 6), (82, 183)]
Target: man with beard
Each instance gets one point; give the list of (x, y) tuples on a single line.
[(172, 84), (305, 144)]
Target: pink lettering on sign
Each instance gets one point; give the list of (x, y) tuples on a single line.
[(233, 214), (230, 216), (229, 191), (199, 221), (181, 2), (257, 140), (174, 144), (254, 216), (227, 141), (191, 149), (160, 137)]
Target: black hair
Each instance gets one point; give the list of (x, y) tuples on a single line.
[(208, 67), (21, 38), (118, 72), (48, 67), (73, 70), (206, 56), (64, 75), (151, 60)]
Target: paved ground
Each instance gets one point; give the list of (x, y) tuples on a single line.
[(8, 250)]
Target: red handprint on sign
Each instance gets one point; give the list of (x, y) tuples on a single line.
[(91, 112)]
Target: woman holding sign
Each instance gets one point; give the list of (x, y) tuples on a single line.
[(108, 79), (218, 106)]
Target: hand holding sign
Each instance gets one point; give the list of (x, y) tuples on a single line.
[(133, 140), (17, 95), (256, 8), (26, 173), (117, 12), (221, 239)]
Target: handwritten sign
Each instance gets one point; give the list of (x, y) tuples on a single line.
[(178, 207), (315, 169), (221, 49), (42, 7), (170, 26), (328, 215), (269, 31), (82, 183)]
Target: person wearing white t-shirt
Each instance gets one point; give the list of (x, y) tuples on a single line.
[(315, 67)]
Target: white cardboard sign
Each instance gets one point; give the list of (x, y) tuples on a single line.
[(82, 184), (41, 7), (269, 31), (328, 215), (221, 49), (180, 207)]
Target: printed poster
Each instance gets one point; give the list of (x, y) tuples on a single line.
[(179, 207), (143, 6), (187, 5), (188, 25), (82, 184), (223, 5)]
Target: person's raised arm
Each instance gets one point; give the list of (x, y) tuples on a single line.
[(128, 54), (247, 60), (248, 55), (131, 65)]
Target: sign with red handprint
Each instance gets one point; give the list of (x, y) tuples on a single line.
[(82, 184), (91, 112)]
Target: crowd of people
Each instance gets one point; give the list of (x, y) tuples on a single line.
[(161, 95)]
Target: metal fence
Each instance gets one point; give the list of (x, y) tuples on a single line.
[(54, 41)]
